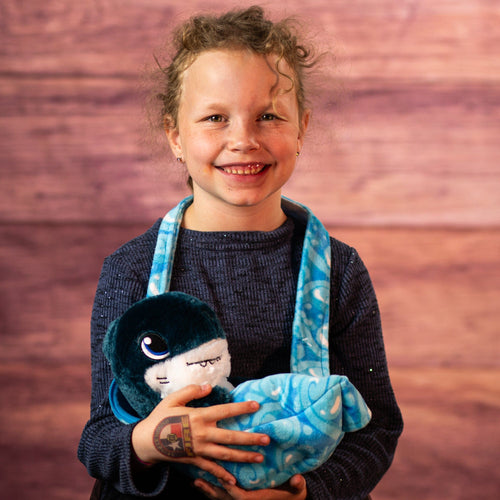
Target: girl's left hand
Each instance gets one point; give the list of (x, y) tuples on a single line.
[(294, 489)]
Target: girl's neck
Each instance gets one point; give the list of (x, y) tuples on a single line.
[(262, 217)]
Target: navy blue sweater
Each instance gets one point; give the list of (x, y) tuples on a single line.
[(249, 279)]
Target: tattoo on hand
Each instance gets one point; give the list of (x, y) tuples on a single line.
[(172, 437)]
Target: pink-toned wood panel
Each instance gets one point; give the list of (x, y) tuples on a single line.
[(450, 442), (44, 409), (438, 290), (418, 40), (49, 276)]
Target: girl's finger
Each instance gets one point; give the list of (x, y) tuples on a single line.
[(226, 454), (297, 483), (228, 410), (211, 491), (213, 468), (183, 396), (295, 488), (237, 438)]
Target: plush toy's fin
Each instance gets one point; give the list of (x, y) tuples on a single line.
[(120, 406)]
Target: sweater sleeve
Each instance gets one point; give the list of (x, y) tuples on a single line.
[(105, 446), (357, 351)]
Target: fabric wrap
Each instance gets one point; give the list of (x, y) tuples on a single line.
[(305, 417), (306, 412)]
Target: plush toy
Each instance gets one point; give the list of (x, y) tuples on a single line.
[(165, 342)]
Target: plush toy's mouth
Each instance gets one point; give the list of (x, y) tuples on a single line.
[(163, 380)]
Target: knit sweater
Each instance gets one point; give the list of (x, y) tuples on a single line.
[(249, 279)]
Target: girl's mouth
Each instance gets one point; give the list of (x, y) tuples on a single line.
[(244, 168)]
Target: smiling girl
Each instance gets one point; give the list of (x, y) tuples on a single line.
[(234, 113), (238, 131)]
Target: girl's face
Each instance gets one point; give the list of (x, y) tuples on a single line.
[(238, 131)]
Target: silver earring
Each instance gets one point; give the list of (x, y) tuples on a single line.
[(179, 159)]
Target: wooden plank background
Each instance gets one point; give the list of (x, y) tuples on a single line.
[(402, 161)]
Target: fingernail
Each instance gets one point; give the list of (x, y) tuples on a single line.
[(264, 440), (255, 405), (258, 459)]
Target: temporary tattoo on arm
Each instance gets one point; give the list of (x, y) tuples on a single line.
[(172, 437)]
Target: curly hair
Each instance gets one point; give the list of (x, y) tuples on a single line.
[(246, 29)]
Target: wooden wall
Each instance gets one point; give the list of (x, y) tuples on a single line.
[(402, 162)]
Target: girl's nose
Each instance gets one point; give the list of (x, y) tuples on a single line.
[(243, 137)]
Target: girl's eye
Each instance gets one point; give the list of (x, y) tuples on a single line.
[(267, 117), (154, 347), (215, 119)]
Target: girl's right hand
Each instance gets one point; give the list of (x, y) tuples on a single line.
[(179, 433)]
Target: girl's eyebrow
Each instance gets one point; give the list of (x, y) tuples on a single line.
[(217, 107), (214, 105), (211, 108)]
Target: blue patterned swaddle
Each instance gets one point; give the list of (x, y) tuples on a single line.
[(306, 412), (305, 417)]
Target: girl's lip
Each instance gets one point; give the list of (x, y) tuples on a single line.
[(249, 168)]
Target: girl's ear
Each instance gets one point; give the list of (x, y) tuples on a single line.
[(173, 137)]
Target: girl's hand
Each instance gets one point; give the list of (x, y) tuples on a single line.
[(294, 489), (178, 433)]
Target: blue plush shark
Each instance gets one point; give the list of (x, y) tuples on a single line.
[(161, 344)]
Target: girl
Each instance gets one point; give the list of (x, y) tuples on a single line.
[(234, 113)]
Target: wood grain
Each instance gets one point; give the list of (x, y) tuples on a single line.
[(437, 291), (422, 40), (450, 440)]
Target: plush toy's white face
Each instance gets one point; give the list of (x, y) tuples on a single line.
[(208, 363)]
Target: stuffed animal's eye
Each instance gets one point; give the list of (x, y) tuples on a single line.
[(154, 347)]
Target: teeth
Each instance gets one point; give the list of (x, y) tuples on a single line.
[(246, 170)]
